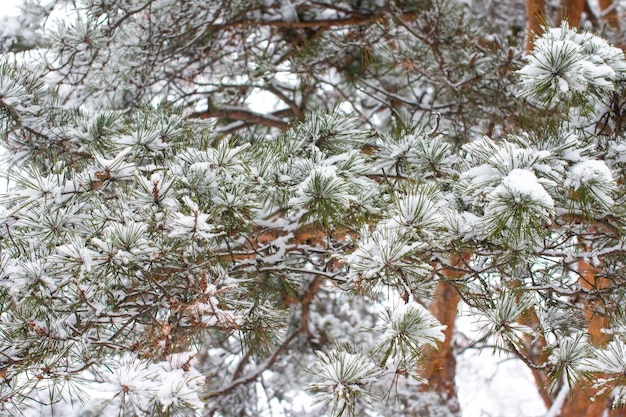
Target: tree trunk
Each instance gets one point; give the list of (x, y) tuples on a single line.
[(580, 401), (611, 16), (535, 351), (440, 370), (571, 11), (535, 20)]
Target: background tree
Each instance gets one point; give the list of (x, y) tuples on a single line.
[(217, 206)]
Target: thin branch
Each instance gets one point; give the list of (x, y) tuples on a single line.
[(354, 20), (292, 105), (242, 115), (525, 359), (260, 369)]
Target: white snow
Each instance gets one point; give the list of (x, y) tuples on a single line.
[(566, 64), (589, 171), (427, 332), (523, 182)]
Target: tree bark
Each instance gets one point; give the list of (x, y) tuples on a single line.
[(580, 401), (537, 354), (611, 16), (535, 20), (571, 11), (440, 370)]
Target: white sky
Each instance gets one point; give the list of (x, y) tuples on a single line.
[(10, 7)]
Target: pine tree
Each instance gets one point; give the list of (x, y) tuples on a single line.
[(222, 208)]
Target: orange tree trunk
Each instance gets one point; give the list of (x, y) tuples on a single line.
[(579, 403), (571, 11), (611, 16), (535, 20), (440, 369)]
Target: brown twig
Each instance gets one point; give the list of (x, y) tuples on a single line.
[(243, 115)]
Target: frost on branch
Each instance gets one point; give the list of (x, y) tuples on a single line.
[(131, 233), (388, 256), (324, 194), (610, 363), (519, 209), (406, 329), (143, 387), (347, 380), (568, 67), (342, 379), (419, 212), (504, 316), (592, 187), (23, 32), (568, 358)]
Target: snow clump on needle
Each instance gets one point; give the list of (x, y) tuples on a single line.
[(571, 67)]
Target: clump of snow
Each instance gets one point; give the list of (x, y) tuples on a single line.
[(566, 65), (587, 172), (341, 378), (523, 183), (518, 210), (592, 178), (481, 176), (171, 383), (412, 322)]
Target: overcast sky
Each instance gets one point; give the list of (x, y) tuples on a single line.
[(10, 6)]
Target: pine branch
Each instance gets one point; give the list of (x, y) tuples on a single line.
[(262, 367), (525, 359), (244, 115), (355, 20), (292, 105)]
